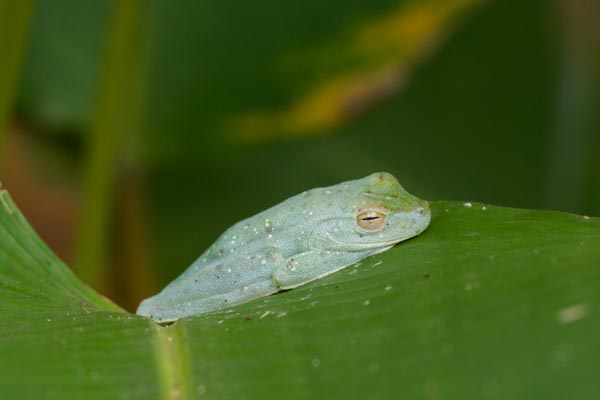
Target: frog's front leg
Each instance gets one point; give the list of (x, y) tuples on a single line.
[(308, 266)]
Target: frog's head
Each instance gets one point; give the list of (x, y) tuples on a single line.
[(372, 213)]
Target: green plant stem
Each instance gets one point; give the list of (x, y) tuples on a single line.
[(14, 24), (113, 122), (173, 361)]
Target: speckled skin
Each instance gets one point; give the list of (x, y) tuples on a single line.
[(299, 240)]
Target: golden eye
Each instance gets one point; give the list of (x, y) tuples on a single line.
[(371, 220)]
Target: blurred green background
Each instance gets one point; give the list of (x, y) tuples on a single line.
[(134, 132)]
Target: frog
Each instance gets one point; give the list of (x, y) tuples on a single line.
[(304, 238)]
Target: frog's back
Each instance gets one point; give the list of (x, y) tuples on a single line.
[(268, 229), (238, 267)]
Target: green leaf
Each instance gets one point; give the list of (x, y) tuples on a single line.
[(489, 302)]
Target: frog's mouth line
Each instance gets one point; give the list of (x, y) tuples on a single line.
[(374, 245)]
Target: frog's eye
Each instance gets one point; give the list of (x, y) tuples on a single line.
[(371, 220)]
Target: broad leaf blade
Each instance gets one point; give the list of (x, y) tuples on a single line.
[(32, 277), (58, 338), (488, 302)]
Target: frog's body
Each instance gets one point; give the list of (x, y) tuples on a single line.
[(299, 240)]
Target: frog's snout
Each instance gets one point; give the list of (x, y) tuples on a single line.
[(422, 215)]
